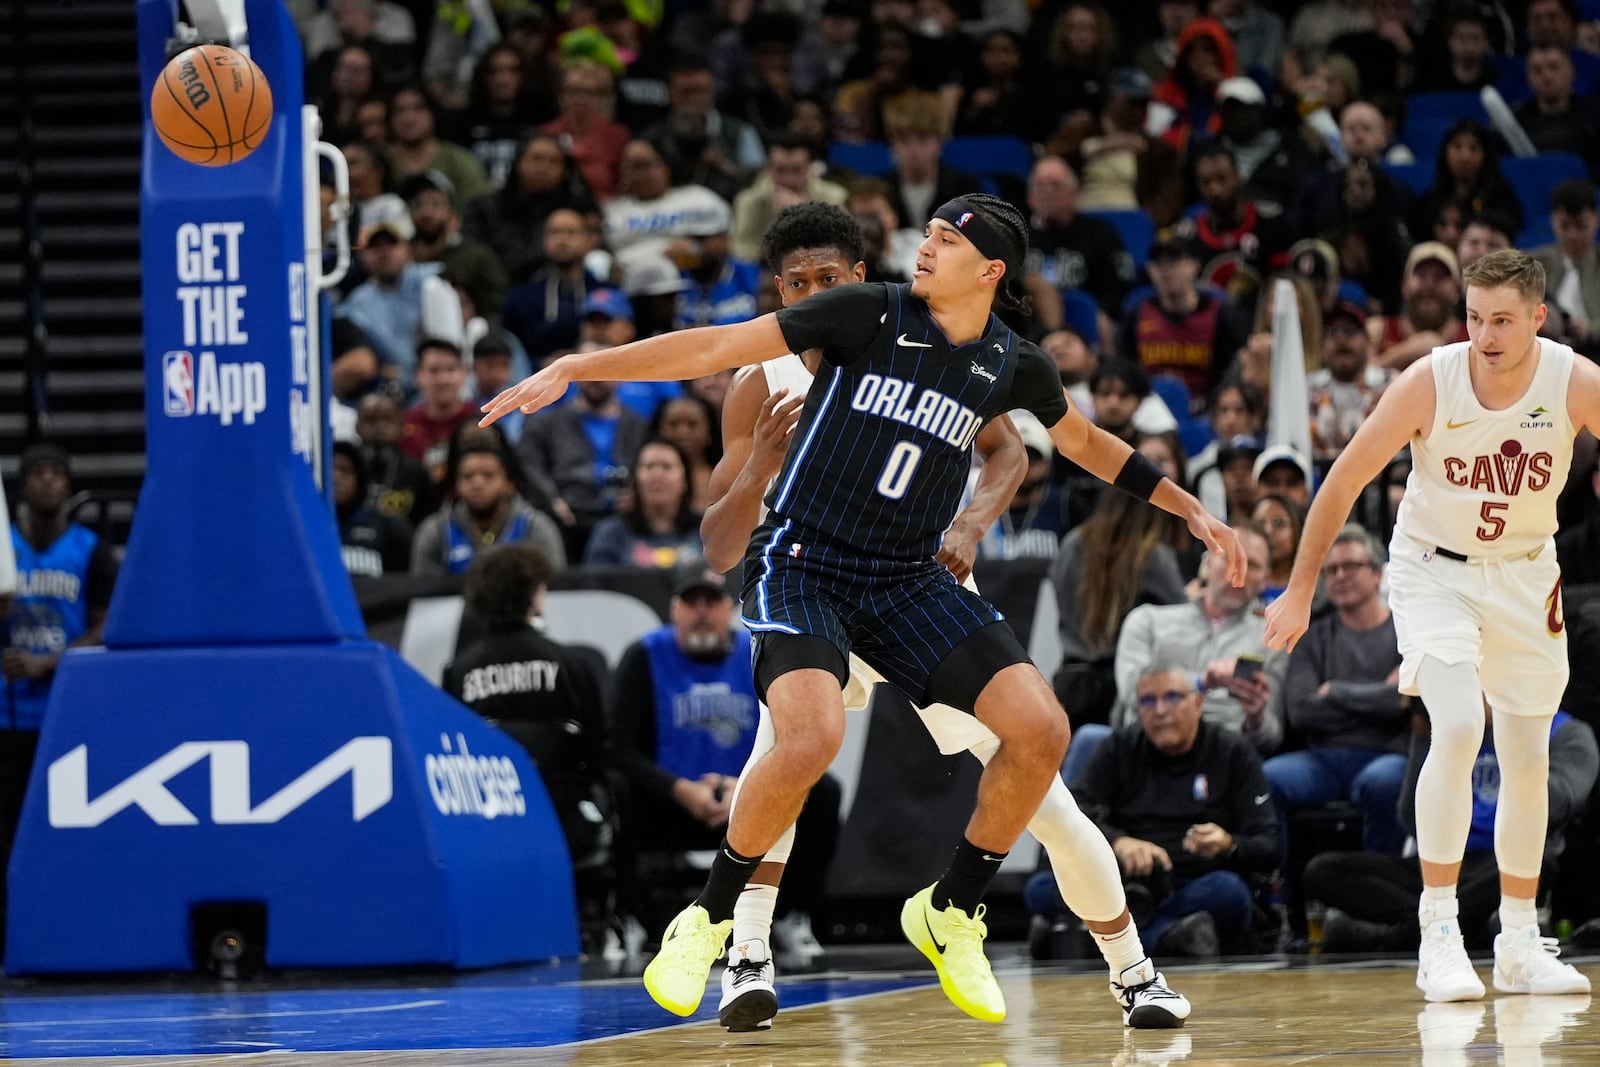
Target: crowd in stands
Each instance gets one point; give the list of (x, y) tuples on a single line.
[(527, 183)]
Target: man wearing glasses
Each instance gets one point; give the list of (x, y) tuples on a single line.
[(1343, 695), (1185, 805)]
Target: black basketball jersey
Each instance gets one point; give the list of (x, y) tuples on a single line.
[(881, 454)]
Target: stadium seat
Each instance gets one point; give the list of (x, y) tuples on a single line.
[(1430, 115), (870, 158), (1416, 176), (1535, 178), (1194, 433), (1082, 315), (1137, 229), (989, 155)]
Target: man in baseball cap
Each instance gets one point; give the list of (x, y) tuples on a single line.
[(1430, 294)]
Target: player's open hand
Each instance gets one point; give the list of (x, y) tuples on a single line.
[(536, 391), (779, 414), (1220, 538), (1287, 619)]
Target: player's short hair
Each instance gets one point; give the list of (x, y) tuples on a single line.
[(812, 224), (1508, 266), (501, 583), (1353, 533)]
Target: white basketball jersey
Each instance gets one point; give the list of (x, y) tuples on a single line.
[(787, 372), (1484, 483)]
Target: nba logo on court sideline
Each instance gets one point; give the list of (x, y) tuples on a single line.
[(177, 383)]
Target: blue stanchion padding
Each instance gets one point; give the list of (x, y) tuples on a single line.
[(239, 741), (232, 542), (387, 826)]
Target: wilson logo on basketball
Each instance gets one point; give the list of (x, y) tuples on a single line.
[(1505, 473)]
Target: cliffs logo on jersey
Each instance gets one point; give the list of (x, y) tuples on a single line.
[(1506, 473), (1538, 419), (931, 411)]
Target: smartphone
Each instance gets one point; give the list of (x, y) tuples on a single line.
[(1247, 666)]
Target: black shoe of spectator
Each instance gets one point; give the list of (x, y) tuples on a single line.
[(1587, 936), (1345, 934), (1193, 935), (1058, 939)]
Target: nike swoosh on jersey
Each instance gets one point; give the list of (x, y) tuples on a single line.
[(1263, 798), (911, 344), (1457, 425)]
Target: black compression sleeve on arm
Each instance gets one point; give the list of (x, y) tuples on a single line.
[(1139, 477)]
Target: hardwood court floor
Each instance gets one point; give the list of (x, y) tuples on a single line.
[(1263, 1013)]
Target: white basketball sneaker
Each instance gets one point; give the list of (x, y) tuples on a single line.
[(1525, 962), (1444, 971), (1148, 1003), (749, 998)]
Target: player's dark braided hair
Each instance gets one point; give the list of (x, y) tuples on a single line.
[(1005, 218)]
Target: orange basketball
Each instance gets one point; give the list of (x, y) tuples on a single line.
[(211, 105)]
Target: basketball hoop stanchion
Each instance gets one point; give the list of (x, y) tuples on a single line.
[(240, 742)]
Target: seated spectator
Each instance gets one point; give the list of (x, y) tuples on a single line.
[(1554, 117), (1001, 98), (1123, 167), (1238, 410), (1466, 63), (1165, 450), (1078, 49), (353, 362), (1429, 296), (546, 312), (690, 422), (540, 692), (1070, 250), (1343, 696), (891, 248), (1381, 892), (1231, 221), (1468, 177), (1210, 637), (1117, 559), (1367, 133), (492, 366), (651, 213), (702, 145), (786, 180), (1371, 240), (486, 510), (399, 486), (437, 238), (1347, 386), (1076, 361), (513, 220), (415, 147), (1551, 24), (427, 424), (372, 543), (652, 285), (1183, 803), (1572, 267), (65, 576), (1032, 525), (684, 703), (1282, 471), (402, 302), (1283, 521), (1118, 388), (657, 526), (458, 42), (608, 322), (1180, 329), (859, 106), (1187, 97), (1483, 234), (920, 181), (385, 30), (720, 289), (350, 84), (1578, 544), (502, 102), (1271, 161), (586, 128)]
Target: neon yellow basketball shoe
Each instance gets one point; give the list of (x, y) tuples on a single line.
[(676, 978), (953, 942)]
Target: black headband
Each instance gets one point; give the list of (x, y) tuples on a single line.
[(976, 228)]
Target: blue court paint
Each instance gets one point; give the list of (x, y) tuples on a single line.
[(529, 1008)]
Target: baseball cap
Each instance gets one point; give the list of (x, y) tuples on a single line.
[(698, 574), (652, 276), (1436, 250), (1035, 438), (1243, 90), (428, 179), (1130, 82), (1241, 446), (43, 454), (1171, 244), (612, 303), (1281, 454), (386, 214), (708, 220), (1346, 309)]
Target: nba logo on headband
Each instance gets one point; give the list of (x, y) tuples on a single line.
[(962, 221)]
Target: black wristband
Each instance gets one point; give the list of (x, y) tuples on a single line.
[(1139, 477)]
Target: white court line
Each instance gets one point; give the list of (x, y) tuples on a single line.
[(223, 1016)]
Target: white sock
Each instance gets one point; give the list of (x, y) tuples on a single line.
[(752, 914), (1517, 913), (1438, 905), (1122, 949)]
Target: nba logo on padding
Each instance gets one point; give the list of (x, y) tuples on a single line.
[(177, 383)]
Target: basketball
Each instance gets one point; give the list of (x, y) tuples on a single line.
[(211, 106)]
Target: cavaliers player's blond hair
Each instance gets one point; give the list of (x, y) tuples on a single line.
[(1509, 267)]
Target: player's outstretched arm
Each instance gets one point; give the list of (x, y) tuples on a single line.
[(1005, 464), (756, 427), (1405, 410), (1106, 456), (666, 357)]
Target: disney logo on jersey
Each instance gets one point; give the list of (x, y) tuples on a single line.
[(1507, 472), (983, 372), (928, 409), (1538, 419)]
